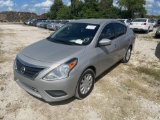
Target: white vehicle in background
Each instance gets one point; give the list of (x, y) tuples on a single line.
[(125, 21), (141, 24)]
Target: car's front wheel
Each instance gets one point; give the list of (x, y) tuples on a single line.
[(85, 84), (127, 56)]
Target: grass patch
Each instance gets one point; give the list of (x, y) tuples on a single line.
[(148, 37), (149, 71)]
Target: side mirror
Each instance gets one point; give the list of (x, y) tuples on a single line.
[(105, 42)]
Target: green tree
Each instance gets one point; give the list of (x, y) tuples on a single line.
[(90, 9), (57, 5), (63, 13), (133, 7), (75, 8), (105, 8)]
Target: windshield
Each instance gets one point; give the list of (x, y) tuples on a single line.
[(139, 20), (75, 34)]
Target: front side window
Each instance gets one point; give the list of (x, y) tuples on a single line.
[(107, 32), (75, 34)]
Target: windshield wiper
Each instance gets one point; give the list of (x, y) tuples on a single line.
[(63, 41)]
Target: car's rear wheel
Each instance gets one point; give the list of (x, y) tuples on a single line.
[(85, 84), (148, 30), (127, 56)]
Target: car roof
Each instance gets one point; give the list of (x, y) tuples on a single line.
[(121, 19), (141, 18), (94, 21)]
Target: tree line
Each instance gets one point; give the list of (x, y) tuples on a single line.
[(97, 9)]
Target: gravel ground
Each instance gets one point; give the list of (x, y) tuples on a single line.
[(121, 93)]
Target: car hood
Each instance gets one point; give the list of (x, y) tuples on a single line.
[(47, 51)]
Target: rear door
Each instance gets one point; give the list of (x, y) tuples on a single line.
[(121, 39)]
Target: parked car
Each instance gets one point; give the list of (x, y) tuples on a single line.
[(36, 21), (27, 22), (125, 21), (57, 26), (31, 21), (154, 22), (44, 24), (66, 63), (158, 32), (158, 22), (40, 22), (141, 24), (52, 25)]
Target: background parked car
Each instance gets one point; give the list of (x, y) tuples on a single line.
[(154, 21), (141, 24), (39, 23), (45, 23), (36, 21), (57, 26), (158, 22), (52, 25), (125, 21), (27, 22), (158, 32)]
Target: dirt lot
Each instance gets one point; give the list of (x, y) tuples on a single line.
[(126, 92)]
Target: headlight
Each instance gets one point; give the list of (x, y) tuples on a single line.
[(61, 71)]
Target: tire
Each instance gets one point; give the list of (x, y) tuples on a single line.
[(148, 30), (127, 56), (85, 84)]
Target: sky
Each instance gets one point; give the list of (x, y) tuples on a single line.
[(42, 6)]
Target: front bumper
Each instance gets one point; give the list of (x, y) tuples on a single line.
[(39, 87)]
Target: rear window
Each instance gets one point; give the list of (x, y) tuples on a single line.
[(139, 20)]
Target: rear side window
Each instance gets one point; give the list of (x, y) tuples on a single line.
[(107, 32), (128, 21), (119, 29)]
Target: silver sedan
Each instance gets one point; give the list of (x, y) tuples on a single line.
[(66, 63)]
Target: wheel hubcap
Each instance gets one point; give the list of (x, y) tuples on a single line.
[(128, 54), (86, 84)]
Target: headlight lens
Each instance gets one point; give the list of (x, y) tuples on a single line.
[(61, 71)]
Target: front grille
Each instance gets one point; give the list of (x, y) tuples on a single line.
[(27, 70)]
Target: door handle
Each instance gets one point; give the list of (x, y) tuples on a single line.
[(115, 46)]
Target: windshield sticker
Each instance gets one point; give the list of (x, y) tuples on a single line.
[(79, 41), (91, 27)]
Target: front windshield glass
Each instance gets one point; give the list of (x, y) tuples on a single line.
[(75, 34)]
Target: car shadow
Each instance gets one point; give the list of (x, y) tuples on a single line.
[(56, 103), (140, 32), (157, 52)]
